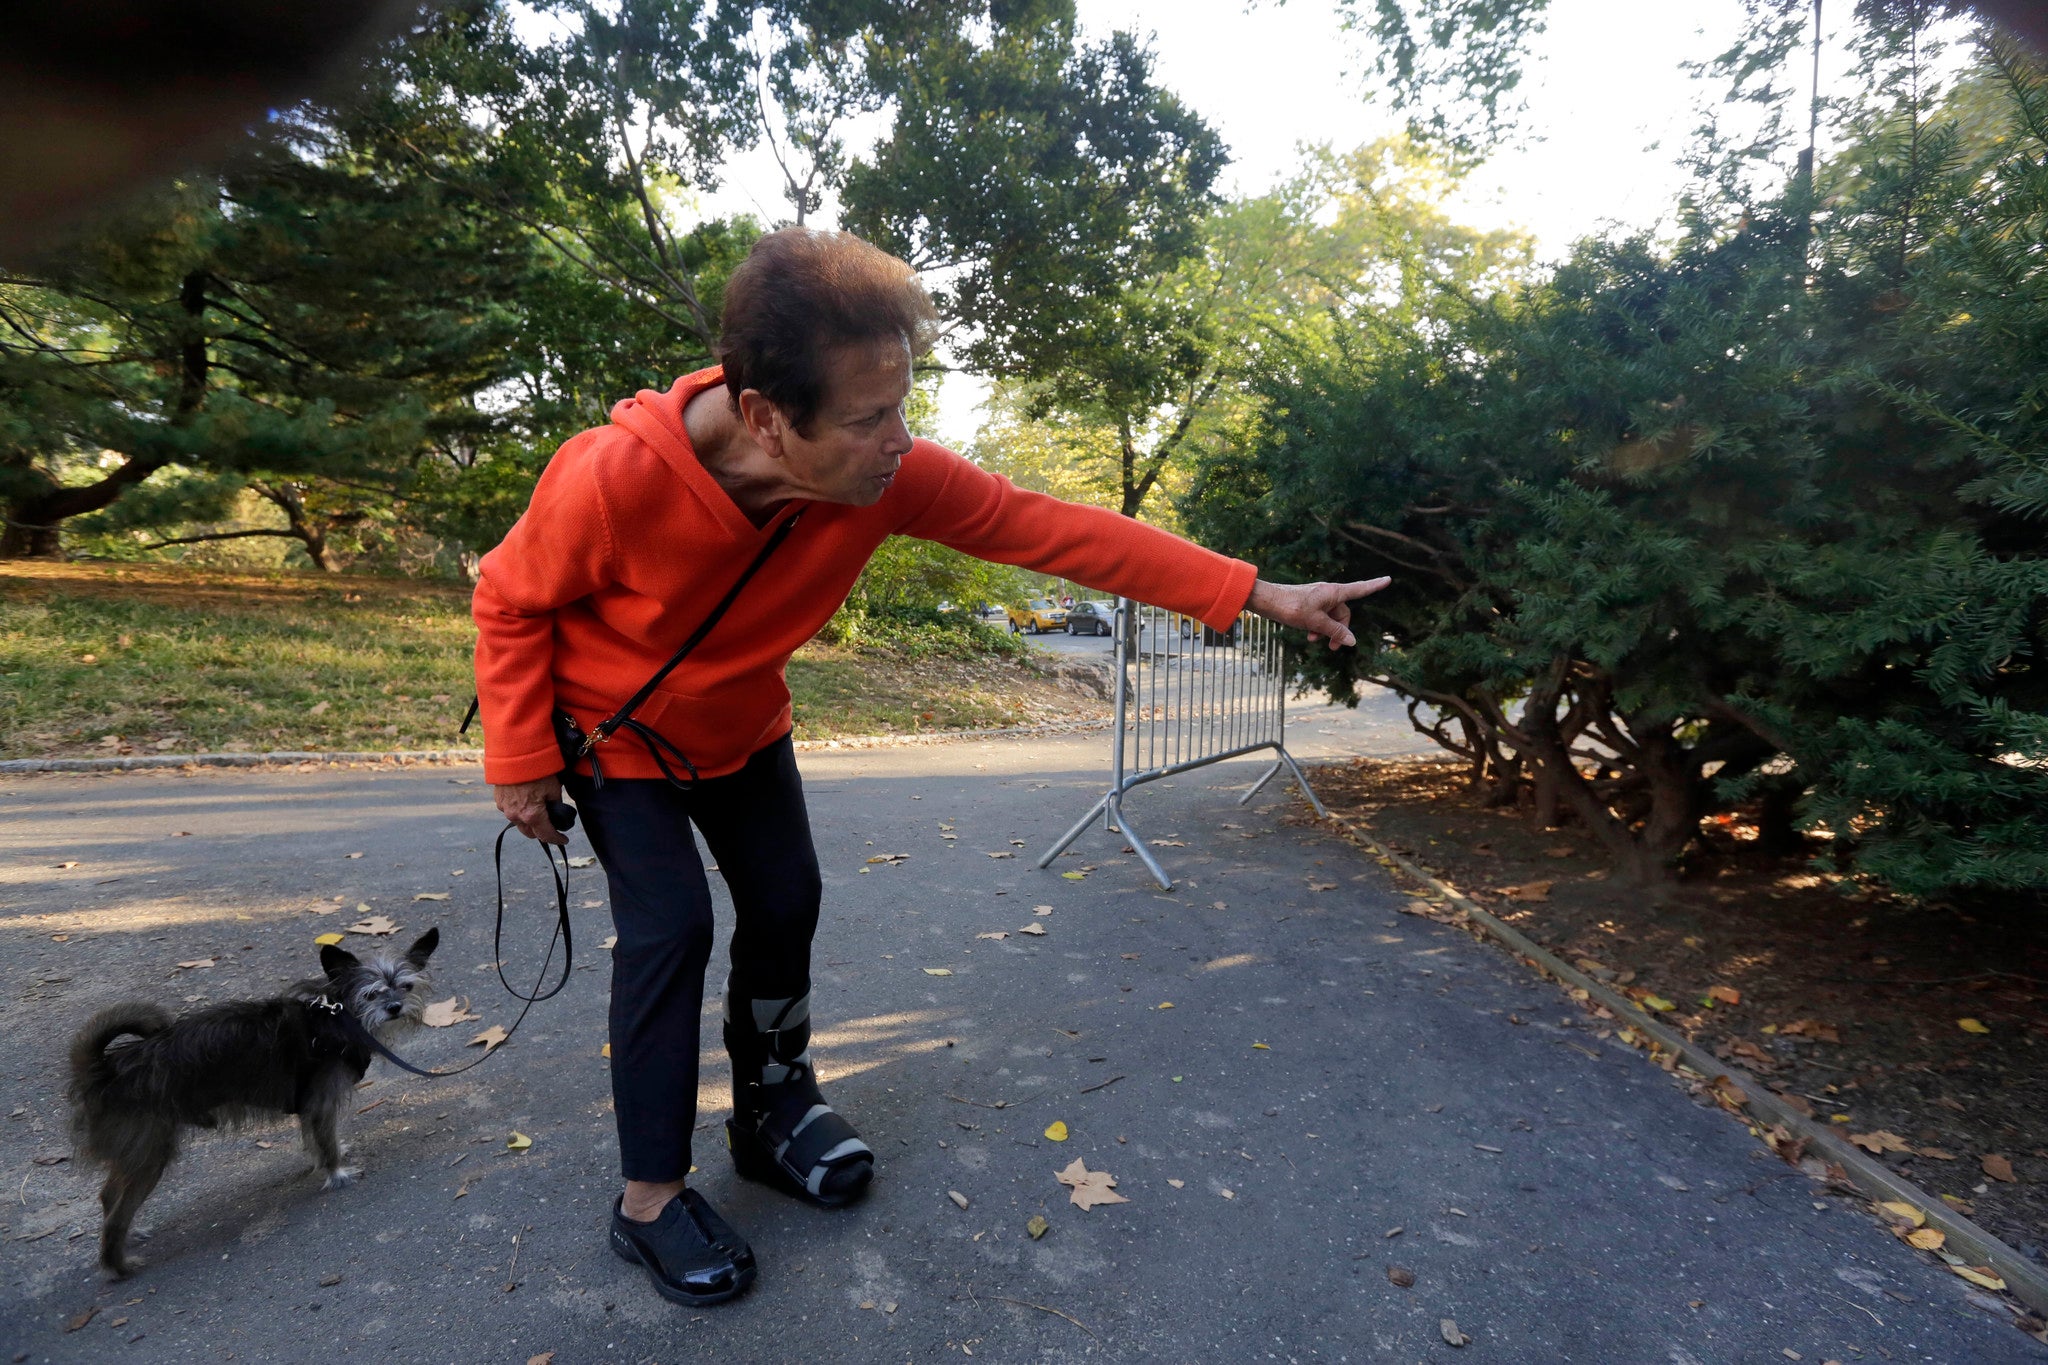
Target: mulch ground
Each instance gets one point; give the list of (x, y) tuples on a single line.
[(1864, 1007)]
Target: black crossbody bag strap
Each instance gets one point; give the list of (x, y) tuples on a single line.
[(605, 728)]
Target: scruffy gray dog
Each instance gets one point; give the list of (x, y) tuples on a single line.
[(230, 1064)]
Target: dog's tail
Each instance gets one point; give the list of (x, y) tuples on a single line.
[(90, 1068)]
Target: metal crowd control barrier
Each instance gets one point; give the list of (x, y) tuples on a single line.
[(1188, 696)]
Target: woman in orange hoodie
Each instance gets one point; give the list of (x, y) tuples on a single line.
[(636, 528)]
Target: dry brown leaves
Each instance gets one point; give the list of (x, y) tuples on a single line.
[(1089, 1188), (447, 1013)]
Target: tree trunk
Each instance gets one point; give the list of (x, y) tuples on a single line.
[(304, 529), (25, 537)]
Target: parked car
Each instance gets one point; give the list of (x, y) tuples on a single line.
[(1090, 617), (1037, 615)]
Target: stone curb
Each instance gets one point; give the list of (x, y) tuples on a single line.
[(2024, 1280), (145, 762), (294, 758)]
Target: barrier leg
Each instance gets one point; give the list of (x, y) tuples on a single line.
[(1106, 804), (1302, 781), (1138, 847), (1246, 799)]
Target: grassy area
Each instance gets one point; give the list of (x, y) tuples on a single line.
[(105, 659)]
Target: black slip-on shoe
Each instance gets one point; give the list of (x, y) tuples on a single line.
[(691, 1254)]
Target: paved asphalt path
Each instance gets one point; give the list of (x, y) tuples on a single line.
[(1556, 1196)]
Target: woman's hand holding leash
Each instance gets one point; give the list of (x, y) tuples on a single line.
[(1321, 609), (528, 806)]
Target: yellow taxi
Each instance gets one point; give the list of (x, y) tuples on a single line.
[(1037, 615)]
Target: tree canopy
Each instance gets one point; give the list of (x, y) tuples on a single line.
[(1755, 518)]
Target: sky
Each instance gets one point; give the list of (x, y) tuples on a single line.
[(1609, 109)]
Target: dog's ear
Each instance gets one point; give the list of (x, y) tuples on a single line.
[(423, 947), (337, 961)]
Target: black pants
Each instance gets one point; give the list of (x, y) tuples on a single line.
[(755, 825)]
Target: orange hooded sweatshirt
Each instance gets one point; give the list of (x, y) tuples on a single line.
[(629, 542)]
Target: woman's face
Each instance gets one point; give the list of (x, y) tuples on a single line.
[(858, 436)]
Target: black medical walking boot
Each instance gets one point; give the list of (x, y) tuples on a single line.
[(782, 1131)]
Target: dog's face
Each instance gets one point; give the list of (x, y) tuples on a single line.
[(385, 989)]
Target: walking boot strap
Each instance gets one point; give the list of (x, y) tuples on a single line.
[(777, 1101)]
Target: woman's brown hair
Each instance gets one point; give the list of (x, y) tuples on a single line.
[(802, 292)]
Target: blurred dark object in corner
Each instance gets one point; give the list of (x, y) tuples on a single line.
[(2027, 18), (100, 97)]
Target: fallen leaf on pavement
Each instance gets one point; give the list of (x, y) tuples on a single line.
[(1727, 995), (1449, 1327), (1006, 853), (1529, 891), (518, 1142), (1074, 876), (328, 940), (1561, 851), (1262, 1047), (605, 1051), (583, 862), (1981, 1276), (375, 924), (1998, 1168), (196, 963), (957, 1197), (611, 941), (1035, 929), (1089, 1188), (1177, 1184), (1659, 1003), (1900, 1211), (1972, 1026), (73, 1324), (1037, 1226), (1322, 886), (1056, 1131), (1166, 1004), (544, 1358), (447, 1013), (431, 896), (1401, 1276), (1811, 1028), (995, 934), (1927, 1239), (938, 971), (1880, 1142), (490, 1038), (355, 855), (1167, 843), (1934, 1153)]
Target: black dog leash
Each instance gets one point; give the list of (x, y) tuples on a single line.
[(562, 816)]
